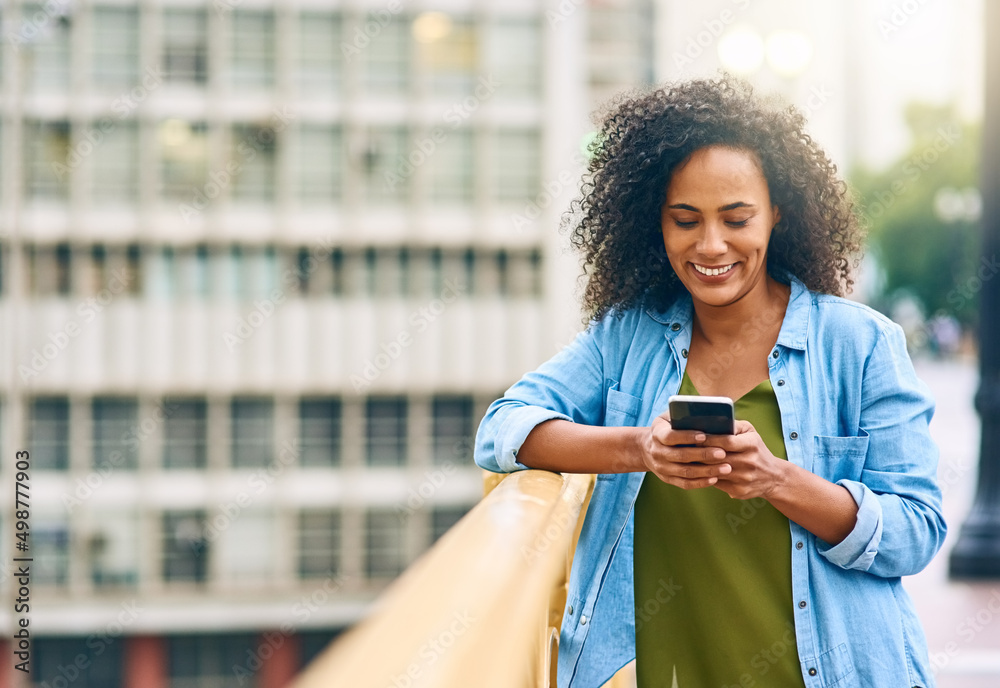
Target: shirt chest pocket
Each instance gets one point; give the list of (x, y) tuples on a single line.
[(621, 409), (840, 458)]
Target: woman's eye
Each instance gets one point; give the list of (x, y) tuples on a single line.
[(737, 223), (685, 224)]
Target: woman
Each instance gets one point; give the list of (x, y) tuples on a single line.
[(771, 557)]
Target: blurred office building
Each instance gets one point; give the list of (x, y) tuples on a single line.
[(264, 265)]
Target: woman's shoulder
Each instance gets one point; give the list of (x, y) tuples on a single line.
[(638, 318), (856, 321)]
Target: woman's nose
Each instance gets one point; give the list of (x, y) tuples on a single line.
[(712, 241)]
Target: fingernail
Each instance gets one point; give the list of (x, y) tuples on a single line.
[(700, 437)]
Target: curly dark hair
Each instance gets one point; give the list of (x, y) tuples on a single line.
[(644, 137)]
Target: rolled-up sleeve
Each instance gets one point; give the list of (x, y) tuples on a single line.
[(858, 549), (899, 526), (569, 386)]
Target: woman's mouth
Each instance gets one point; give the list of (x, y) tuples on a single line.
[(713, 271)]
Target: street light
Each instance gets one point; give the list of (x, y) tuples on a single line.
[(788, 52), (744, 51), (741, 50), (977, 552)]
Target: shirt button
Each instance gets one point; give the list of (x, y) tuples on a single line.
[(684, 353), (583, 620), (675, 327), (774, 354), (812, 671), (794, 435), (802, 604), (781, 383), (570, 610), (798, 545)]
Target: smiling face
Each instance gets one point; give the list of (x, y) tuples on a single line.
[(717, 223)]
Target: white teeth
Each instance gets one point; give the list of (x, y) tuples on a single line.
[(713, 271)]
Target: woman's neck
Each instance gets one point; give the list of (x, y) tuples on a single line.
[(762, 308)]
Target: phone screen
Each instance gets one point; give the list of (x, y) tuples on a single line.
[(712, 415)]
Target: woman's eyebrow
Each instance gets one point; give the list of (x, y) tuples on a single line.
[(722, 209), (737, 204)]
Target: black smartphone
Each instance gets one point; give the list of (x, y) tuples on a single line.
[(711, 415)]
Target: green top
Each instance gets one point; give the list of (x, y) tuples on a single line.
[(713, 578)]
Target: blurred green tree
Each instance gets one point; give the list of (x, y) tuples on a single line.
[(922, 212)]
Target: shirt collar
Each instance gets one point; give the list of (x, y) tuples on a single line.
[(794, 328)]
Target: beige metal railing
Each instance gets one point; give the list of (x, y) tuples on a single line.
[(482, 608)]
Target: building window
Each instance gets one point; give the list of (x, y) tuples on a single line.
[(514, 56), (453, 430), (46, 161), (384, 170), (251, 59), (114, 270), (447, 52), (185, 546), (191, 265), (50, 50), (318, 155), (56, 658), (318, 56), (443, 518), (252, 154), (50, 549), (385, 555), (115, 423), (253, 271), (516, 165), (184, 164), (457, 269), (116, 163), (386, 69), (386, 434), (209, 661), (486, 273), (523, 274), (355, 272), (315, 271), (245, 549), (319, 544), (319, 430), (49, 270), (450, 168), (48, 433), (115, 41), (252, 433), (184, 433), (389, 271), (185, 46), (160, 271), (113, 549)]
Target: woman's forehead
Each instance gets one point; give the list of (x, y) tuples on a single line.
[(718, 169)]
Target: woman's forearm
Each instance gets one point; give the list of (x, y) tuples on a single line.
[(825, 509), (566, 447)]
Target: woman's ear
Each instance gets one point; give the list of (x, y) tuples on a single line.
[(777, 216)]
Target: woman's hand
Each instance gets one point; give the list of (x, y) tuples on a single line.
[(756, 472), (823, 508), (679, 457)]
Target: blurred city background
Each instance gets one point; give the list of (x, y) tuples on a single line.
[(266, 262)]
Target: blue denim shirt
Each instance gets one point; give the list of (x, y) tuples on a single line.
[(853, 411)]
